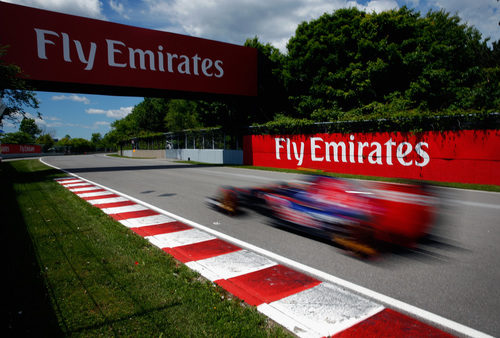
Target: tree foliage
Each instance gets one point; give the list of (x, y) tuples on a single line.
[(29, 126), (15, 96), (353, 60), (348, 65)]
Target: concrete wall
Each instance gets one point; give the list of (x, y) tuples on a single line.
[(160, 153), (213, 156)]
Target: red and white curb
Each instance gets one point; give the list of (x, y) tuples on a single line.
[(301, 302)]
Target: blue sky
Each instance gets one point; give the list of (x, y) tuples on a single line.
[(233, 21)]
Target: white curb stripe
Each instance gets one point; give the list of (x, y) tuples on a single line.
[(146, 221), (75, 185), (93, 194), (325, 309), (230, 265), (107, 200), (75, 190), (127, 208), (178, 238), (68, 182)]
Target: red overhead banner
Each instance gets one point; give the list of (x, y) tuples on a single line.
[(467, 156), (56, 48)]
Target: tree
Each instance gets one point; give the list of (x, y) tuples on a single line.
[(353, 61), (15, 95), (46, 141), (29, 126), (182, 114), (150, 113), (16, 138)]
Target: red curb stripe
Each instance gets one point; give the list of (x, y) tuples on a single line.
[(78, 186), (65, 184), (134, 214), (268, 285), (163, 228), (88, 191), (389, 323), (201, 250), (114, 204), (100, 197)]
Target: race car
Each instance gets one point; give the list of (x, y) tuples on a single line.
[(365, 218)]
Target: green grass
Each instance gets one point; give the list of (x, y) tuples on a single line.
[(74, 271)]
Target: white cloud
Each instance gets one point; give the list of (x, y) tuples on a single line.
[(482, 14), (118, 8), (113, 113), (72, 97), (99, 124), (87, 8), (234, 21)]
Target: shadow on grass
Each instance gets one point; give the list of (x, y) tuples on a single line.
[(27, 303)]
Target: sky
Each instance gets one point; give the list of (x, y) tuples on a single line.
[(232, 21)]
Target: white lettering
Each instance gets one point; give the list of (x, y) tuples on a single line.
[(277, 142), (66, 53), (160, 59), (206, 64), (361, 145), (196, 58), (299, 156), (388, 152), (170, 57), (422, 153), (218, 66), (142, 58), (90, 60), (377, 153), (183, 67), (111, 53), (401, 155), (335, 146), (41, 41), (314, 146), (351, 149)]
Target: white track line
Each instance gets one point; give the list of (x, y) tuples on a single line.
[(424, 315)]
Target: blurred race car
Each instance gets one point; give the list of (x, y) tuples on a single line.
[(363, 217)]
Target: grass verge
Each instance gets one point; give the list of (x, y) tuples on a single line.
[(74, 271)]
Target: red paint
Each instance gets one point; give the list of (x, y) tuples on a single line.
[(68, 185), (268, 285), (389, 323), (201, 250), (157, 229), (134, 214), (88, 191), (114, 205), (65, 49), (467, 156), (90, 198), (20, 148)]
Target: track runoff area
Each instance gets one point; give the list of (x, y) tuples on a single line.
[(306, 301)]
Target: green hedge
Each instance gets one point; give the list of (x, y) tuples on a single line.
[(406, 123)]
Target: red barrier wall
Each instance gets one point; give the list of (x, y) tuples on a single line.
[(61, 49), (467, 156), (21, 149)]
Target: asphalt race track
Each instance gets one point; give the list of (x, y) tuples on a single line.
[(455, 276)]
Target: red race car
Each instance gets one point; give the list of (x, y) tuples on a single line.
[(363, 217)]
